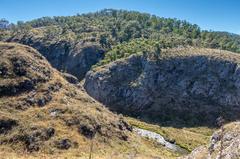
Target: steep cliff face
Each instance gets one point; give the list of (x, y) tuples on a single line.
[(68, 56), (181, 86), (223, 144)]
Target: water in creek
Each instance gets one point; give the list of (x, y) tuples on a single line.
[(159, 139)]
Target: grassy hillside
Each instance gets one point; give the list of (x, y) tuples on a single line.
[(42, 115)]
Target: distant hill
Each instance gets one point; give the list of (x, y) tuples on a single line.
[(4, 24), (121, 25)]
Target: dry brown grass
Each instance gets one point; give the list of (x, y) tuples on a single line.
[(74, 105), (193, 51)]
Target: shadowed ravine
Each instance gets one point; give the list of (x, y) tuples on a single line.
[(180, 88)]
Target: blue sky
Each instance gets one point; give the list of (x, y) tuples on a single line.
[(218, 15)]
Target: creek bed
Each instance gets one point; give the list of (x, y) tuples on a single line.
[(159, 139)]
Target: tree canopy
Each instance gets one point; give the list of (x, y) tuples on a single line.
[(111, 27)]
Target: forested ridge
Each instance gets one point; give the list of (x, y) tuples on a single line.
[(110, 27)]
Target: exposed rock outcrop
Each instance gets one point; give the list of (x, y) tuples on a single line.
[(72, 57), (181, 86), (224, 145), (70, 78)]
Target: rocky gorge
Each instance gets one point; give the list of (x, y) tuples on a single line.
[(180, 87), (118, 84)]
